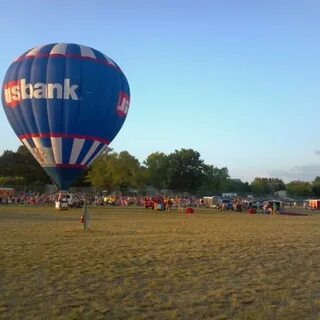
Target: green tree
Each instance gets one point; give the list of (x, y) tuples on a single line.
[(126, 171), (115, 171), (260, 186), (236, 185), (213, 179), (100, 173), (12, 181), (264, 186), (185, 170), (22, 164), (316, 186), (142, 179), (299, 188), (276, 184), (157, 170)]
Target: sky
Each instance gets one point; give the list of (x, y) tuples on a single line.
[(236, 80)]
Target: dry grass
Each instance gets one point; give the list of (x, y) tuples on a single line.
[(138, 264)]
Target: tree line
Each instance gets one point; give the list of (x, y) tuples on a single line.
[(180, 171)]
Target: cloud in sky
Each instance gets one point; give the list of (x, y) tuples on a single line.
[(317, 152), (306, 172)]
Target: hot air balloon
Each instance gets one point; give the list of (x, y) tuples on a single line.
[(66, 103)]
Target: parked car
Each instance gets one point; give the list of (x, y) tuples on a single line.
[(228, 204), (256, 204)]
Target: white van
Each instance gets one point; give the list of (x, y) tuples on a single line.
[(66, 200)]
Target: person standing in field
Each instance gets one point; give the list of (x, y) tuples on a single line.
[(180, 208), (168, 203)]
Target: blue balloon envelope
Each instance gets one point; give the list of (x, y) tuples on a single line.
[(66, 103)]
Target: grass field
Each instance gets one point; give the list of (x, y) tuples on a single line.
[(138, 264)]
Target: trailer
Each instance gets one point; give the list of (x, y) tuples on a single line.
[(212, 201)]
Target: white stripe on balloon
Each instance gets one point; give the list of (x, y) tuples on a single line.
[(87, 52), (46, 153), (76, 149), (97, 155), (110, 61), (93, 148), (33, 51), (59, 48), (57, 149)]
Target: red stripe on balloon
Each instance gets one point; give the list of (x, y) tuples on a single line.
[(76, 166), (63, 135), (68, 56)]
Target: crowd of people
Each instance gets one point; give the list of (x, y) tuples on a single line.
[(98, 199), (157, 203), (28, 198), (239, 204)]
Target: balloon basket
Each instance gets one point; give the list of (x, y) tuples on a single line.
[(59, 205)]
